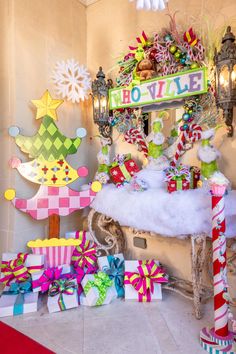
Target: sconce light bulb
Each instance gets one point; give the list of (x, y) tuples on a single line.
[(233, 75)]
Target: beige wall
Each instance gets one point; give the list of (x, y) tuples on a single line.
[(34, 36)]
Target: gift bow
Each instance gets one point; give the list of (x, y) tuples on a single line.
[(143, 281), (116, 271), (190, 37), (142, 41), (177, 173), (15, 269), (102, 282), (120, 159), (19, 289), (60, 287), (46, 279), (79, 274), (84, 255)]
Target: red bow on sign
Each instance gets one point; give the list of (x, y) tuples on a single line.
[(190, 37), (142, 40)]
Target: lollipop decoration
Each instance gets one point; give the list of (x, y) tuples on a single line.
[(219, 339)]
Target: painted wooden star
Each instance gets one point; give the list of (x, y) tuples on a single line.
[(47, 106)]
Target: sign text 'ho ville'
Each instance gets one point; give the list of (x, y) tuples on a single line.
[(166, 88)]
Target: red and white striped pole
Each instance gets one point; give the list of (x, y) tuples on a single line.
[(219, 265), (219, 339)]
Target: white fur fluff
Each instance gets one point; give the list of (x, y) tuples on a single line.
[(207, 134), (155, 210), (208, 153), (158, 139), (159, 164), (103, 159)]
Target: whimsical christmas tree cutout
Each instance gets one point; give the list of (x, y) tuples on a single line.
[(49, 148)]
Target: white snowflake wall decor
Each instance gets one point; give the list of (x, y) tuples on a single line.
[(154, 5), (72, 80)]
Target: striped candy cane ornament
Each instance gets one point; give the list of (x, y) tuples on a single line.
[(133, 136), (194, 133), (219, 340)]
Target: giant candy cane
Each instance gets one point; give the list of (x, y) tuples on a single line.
[(133, 136), (219, 265), (194, 133), (219, 339)]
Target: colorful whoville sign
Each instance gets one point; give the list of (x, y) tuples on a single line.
[(166, 88)]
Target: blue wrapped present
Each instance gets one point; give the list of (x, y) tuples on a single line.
[(18, 300), (114, 267)]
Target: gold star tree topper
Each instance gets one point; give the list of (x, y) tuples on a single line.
[(47, 106)]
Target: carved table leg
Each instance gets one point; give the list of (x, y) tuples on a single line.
[(198, 243), (109, 231)]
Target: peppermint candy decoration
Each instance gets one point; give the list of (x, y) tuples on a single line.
[(133, 136), (194, 133)]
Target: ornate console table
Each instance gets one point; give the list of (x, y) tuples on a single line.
[(110, 238)]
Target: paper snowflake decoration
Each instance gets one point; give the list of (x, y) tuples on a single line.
[(154, 5), (72, 80)]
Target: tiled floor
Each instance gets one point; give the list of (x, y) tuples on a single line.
[(166, 327)]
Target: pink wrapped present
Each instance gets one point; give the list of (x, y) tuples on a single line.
[(19, 267), (143, 280), (57, 251)]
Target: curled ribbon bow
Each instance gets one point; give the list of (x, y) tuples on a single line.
[(180, 172), (116, 271), (143, 281), (60, 287), (102, 282), (15, 269), (84, 255), (142, 41), (48, 276), (19, 289)]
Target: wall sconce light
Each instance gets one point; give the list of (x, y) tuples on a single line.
[(225, 62), (100, 99)]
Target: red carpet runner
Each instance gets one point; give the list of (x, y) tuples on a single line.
[(14, 342)]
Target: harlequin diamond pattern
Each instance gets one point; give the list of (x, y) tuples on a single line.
[(48, 143), (52, 129)]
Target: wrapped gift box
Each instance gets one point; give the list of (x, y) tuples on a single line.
[(94, 285), (177, 178), (41, 281), (195, 176), (57, 251), (59, 298), (122, 171), (33, 263), (135, 272), (114, 267), (85, 255), (173, 186), (12, 304)]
